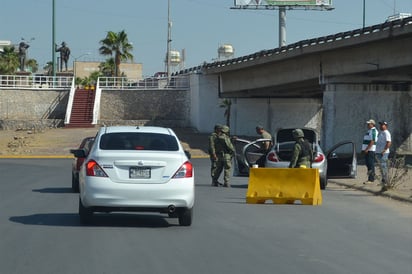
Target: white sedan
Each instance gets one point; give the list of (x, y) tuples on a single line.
[(133, 168)]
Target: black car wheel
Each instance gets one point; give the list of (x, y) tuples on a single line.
[(85, 213), (323, 182), (185, 217), (75, 183)]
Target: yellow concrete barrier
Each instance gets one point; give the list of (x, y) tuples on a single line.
[(284, 186)]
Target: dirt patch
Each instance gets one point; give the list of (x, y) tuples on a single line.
[(56, 141), (59, 141)]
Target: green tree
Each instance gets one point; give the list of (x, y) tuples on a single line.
[(107, 68), (94, 76), (9, 60), (32, 65), (117, 45), (91, 80)]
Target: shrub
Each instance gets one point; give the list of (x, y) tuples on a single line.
[(396, 171)]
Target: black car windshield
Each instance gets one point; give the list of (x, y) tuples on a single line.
[(138, 141)]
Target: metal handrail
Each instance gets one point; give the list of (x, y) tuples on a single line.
[(35, 82), (65, 82)]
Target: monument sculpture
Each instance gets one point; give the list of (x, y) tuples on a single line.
[(64, 55), (23, 54)]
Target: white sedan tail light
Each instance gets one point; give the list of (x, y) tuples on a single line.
[(185, 171), (93, 169)]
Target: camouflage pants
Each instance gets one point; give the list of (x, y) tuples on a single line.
[(213, 166), (223, 163)]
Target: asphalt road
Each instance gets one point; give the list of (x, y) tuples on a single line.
[(351, 232)]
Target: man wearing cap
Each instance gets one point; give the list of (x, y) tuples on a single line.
[(369, 148), (382, 152)]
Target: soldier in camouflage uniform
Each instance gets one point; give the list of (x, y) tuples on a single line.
[(212, 152), (302, 151), (224, 152)]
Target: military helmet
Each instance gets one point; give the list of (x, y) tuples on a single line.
[(225, 129), (298, 133)]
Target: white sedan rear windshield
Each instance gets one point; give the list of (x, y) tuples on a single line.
[(138, 141)]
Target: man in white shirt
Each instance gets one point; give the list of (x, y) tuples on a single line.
[(368, 149), (382, 152)]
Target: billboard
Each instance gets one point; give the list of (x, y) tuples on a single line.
[(283, 3)]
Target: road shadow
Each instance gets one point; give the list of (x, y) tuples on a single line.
[(56, 190), (245, 186), (220, 186), (98, 220)]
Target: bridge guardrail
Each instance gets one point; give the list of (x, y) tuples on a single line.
[(175, 82)]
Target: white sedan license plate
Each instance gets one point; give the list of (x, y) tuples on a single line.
[(139, 172)]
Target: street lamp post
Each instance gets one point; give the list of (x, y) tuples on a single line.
[(75, 60), (53, 39)]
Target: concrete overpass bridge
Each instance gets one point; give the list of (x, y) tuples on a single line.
[(332, 83), (376, 54)]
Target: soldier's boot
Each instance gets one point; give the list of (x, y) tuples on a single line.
[(226, 184), (215, 183)]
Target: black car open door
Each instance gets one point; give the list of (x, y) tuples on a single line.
[(240, 167), (342, 161), (247, 154)]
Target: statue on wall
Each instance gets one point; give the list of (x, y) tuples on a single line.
[(64, 55), (23, 54)]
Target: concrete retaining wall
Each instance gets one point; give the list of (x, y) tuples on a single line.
[(156, 107), (47, 108), (32, 108), (33, 104)]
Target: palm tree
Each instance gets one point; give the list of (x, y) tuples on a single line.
[(226, 103), (117, 44), (9, 60)]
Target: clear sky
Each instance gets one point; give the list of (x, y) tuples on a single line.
[(198, 26)]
